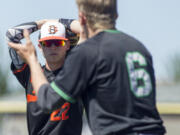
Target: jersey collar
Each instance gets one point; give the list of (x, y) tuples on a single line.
[(112, 31)]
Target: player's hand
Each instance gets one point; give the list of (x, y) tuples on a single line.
[(27, 52)]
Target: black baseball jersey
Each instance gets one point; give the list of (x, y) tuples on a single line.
[(66, 119), (114, 75)]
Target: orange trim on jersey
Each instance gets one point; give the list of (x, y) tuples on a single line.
[(20, 70), (31, 98)]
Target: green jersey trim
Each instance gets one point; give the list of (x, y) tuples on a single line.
[(61, 93), (112, 31)]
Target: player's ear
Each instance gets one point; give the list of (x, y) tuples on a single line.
[(67, 45), (82, 18)]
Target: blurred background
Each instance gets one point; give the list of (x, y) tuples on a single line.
[(155, 23)]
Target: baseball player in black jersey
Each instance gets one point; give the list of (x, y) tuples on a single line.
[(110, 70), (67, 119)]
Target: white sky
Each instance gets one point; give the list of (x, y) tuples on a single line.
[(156, 23)]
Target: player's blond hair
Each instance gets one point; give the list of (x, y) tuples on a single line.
[(100, 14)]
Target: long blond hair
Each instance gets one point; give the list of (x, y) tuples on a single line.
[(100, 14)]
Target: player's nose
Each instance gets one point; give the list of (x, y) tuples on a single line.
[(53, 46)]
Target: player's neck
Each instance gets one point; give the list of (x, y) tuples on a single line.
[(54, 66), (93, 33)]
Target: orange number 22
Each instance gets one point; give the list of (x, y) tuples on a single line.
[(65, 108)]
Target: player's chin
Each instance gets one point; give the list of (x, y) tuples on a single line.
[(54, 60), (52, 56)]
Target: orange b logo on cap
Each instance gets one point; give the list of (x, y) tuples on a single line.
[(52, 29)]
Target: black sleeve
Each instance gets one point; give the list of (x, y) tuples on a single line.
[(48, 99), (73, 37), (71, 81), (18, 67), (22, 74), (66, 22)]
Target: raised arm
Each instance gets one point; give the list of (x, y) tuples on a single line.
[(15, 35), (72, 30)]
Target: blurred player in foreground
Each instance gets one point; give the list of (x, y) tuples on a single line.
[(110, 70), (67, 119)]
